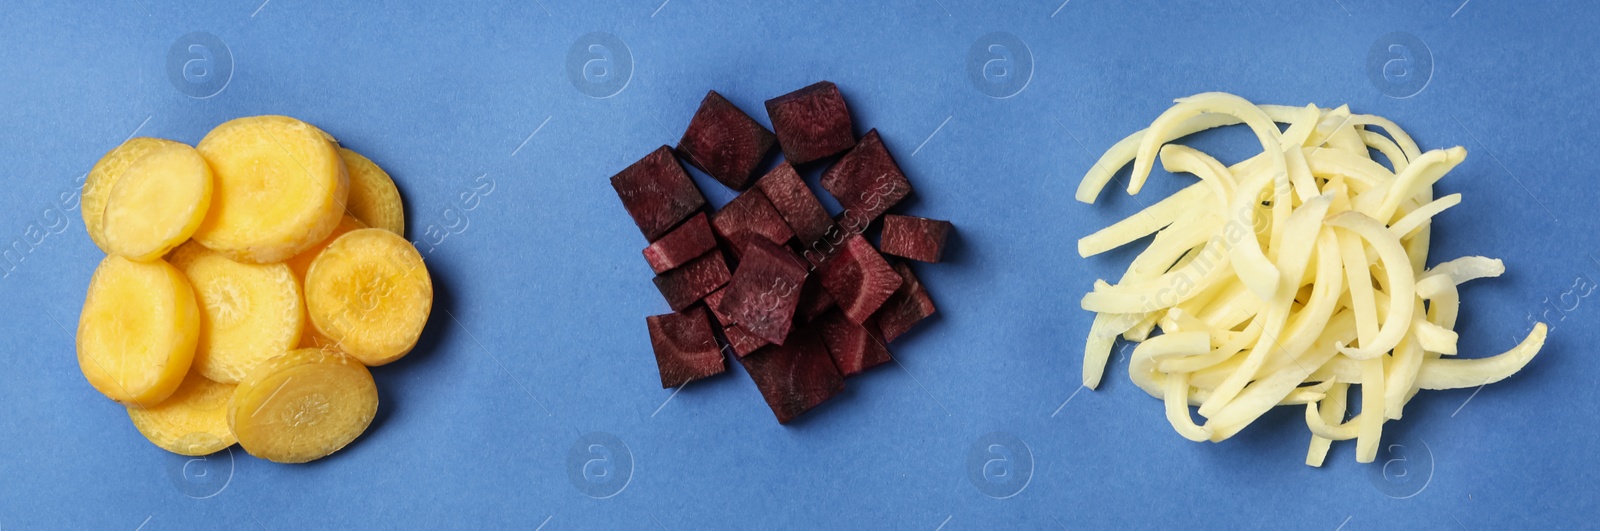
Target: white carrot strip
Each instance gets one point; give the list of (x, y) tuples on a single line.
[(1169, 246), (1441, 373), (1342, 132), (1207, 103), (1177, 320), (1422, 215), (1141, 330), (1444, 302), (1359, 283), (1325, 429), (1300, 176), (1123, 152), (1327, 125), (1370, 421), (1360, 173), (1402, 373), (1178, 158), (1177, 402), (1423, 172), (1301, 126), (1435, 338), (1250, 264), (1142, 363), (1227, 349), (1460, 373), (1102, 337), (1332, 411), (1417, 247), (1387, 147), (1171, 288), (1400, 278), (1469, 268), (1407, 146), (1145, 222)]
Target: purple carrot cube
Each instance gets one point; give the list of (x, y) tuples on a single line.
[(685, 348), (657, 193), (916, 238), (811, 123), (725, 142)]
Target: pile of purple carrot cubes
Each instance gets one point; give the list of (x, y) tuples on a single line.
[(801, 298)]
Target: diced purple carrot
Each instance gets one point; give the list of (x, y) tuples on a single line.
[(657, 192), (811, 123), (794, 201), (765, 290), (751, 213), (859, 279), (725, 142), (685, 348), (687, 242), (853, 349), (742, 342), (691, 282), (814, 299), (824, 248), (795, 377), (916, 238), (714, 302), (866, 181), (909, 305)]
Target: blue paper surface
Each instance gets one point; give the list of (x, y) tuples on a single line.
[(533, 399)]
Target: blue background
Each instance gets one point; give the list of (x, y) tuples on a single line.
[(538, 333)]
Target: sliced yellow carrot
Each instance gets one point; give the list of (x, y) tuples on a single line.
[(370, 292), (303, 405), (309, 336), (193, 421), (137, 333), (374, 199), (97, 185), (248, 312), (280, 187), (157, 203)]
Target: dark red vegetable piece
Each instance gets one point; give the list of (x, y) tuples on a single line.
[(687, 242), (750, 213), (691, 282), (866, 181), (794, 201), (858, 277), (657, 192), (765, 290), (795, 377), (742, 342), (909, 305), (811, 123), (685, 348), (915, 238), (725, 142), (714, 302), (814, 299), (852, 347)]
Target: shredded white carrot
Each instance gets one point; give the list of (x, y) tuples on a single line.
[(1400, 280), (1288, 277), (1422, 215), (1331, 411)]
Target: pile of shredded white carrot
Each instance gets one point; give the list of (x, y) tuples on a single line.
[(1286, 278)]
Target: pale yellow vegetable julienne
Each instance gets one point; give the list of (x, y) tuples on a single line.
[(1288, 277)]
